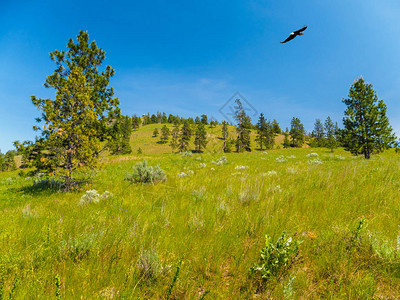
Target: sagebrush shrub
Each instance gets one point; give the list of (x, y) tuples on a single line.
[(316, 161), (143, 173), (312, 155), (92, 196), (281, 159), (220, 161), (187, 153)]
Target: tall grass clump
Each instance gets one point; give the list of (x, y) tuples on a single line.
[(149, 265), (143, 173)]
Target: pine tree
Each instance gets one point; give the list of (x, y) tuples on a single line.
[(265, 133), (136, 121), (213, 123), (7, 161), (184, 137), (164, 118), (297, 132), (164, 134), (155, 132), (367, 129), (261, 131), (75, 122), (243, 128), (275, 127), (318, 134), (204, 119), (200, 139), (225, 135), (153, 119), (120, 133), (174, 137), (330, 134), (286, 142)]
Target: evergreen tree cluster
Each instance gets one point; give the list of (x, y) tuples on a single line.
[(7, 161), (325, 135), (161, 118)]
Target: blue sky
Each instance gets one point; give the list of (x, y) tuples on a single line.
[(190, 57)]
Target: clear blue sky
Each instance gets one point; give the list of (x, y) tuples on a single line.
[(189, 57)]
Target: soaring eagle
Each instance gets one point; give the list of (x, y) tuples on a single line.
[(294, 34)]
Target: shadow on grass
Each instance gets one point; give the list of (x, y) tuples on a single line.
[(48, 186)]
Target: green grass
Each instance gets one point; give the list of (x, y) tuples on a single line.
[(214, 221)]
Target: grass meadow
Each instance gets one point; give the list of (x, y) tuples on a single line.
[(209, 224)]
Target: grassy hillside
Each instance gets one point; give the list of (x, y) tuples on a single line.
[(144, 139), (214, 221)]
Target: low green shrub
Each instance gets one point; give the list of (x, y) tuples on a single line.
[(276, 258)]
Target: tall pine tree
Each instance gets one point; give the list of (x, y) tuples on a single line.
[(164, 134), (174, 137), (318, 134), (200, 140), (75, 121), (330, 134), (184, 137), (120, 136), (243, 128), (265, 133), (366, 126), (297, 132)]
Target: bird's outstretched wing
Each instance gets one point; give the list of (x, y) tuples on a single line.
[(291, 37), (300, 30)]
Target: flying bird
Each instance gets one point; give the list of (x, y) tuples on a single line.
[(294, 34)]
